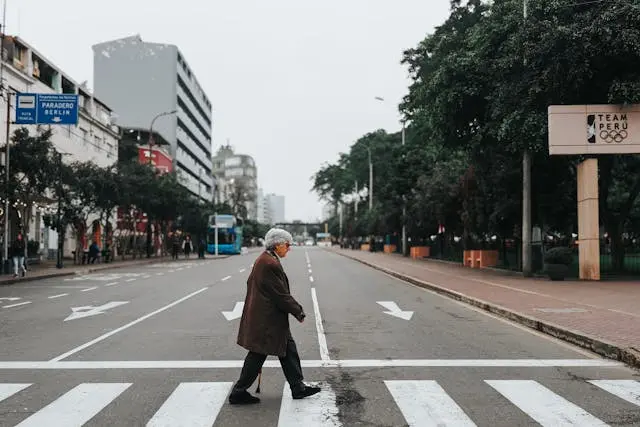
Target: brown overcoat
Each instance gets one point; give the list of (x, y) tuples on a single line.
[(264, 326)]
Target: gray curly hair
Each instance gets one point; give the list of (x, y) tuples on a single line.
[(277, 236)]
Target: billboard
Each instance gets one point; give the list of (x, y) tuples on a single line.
[(594, 129)]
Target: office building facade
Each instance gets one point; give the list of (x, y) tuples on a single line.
[(151, 86)]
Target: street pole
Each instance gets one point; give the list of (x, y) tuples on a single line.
[(150, 141), (7, 266), (370, 181), (526, 196), (215, 227), (61, 229), (404, 207)]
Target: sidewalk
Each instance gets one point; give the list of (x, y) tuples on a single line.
[(601, 316), (47, 269)]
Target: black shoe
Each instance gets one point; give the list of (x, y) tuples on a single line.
[(306, 392), (243, 398)]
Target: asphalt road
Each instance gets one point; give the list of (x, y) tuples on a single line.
[(155, 345)]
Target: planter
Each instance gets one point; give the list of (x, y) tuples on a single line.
[(557, 272)]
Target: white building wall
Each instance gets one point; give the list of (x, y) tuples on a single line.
[(276, 208), (93, 139)]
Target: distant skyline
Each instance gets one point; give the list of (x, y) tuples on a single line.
[(292, 83)]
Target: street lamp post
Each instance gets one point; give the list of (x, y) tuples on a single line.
[(149, 236), (404, 200)]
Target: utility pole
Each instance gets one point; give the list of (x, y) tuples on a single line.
[(61, 229), (526, 194), (370, 180), (7, 216), (404, 206)]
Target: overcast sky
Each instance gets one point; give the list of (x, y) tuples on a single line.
[(292, 82)]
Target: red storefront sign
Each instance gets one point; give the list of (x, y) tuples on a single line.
[(161, 160)]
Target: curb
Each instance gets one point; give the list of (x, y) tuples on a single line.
[(606, 349), (94, 269)]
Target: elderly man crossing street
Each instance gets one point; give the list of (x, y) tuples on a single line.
[(264, 327)]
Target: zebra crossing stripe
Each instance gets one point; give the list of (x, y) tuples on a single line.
[(319, 410), (77, 406), (425, 403), (8, 390), (628, 390), (194, 404), (543, 405)]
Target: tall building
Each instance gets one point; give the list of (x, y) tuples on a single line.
[(236, 180), (151, 86), (276, 207), (94, 138), (264, 211)]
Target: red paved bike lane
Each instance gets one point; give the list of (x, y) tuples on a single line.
[(601, 316)]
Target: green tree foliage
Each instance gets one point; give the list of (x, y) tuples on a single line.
[(480, 88)]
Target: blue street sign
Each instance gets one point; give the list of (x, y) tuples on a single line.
[(46, 109)]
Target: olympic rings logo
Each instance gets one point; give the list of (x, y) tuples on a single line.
[(613, 135)]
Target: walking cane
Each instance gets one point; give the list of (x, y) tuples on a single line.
[(259, 380)]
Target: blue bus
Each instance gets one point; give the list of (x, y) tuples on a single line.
[(229, 234)]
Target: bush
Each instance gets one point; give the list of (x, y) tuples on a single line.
[(559, 255)]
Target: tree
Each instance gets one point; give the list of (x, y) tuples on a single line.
[(32, 170)]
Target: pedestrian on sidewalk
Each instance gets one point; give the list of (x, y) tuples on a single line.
[(187, 246), (17, 252), (264, 326)]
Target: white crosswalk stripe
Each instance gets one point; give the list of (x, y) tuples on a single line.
[(543, 405), (425, 403), (628, 390), (419, 402), (77, 406), (192, 404), (319, 410), (8, 390)]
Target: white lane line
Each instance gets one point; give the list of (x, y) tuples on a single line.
[(192, 404), (77, 406), (543, 405), (89, 289), (357, 363), (242, 270), (426, 403), (17, 305), (8, 390), (128, 325), (319, 410), (628, 390), (58, 296), (159, 274), (306, 255), (172, 271), (146, 277), (179, 269), (311, 279), (322, 339), (224, 279), (310, 271), (111, 284), (130, 280)]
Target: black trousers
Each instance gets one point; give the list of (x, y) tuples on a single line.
[(290, 366)]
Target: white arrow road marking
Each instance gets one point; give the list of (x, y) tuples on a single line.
[(394, 310), (89, 310), (235, 313), (10, 299)]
